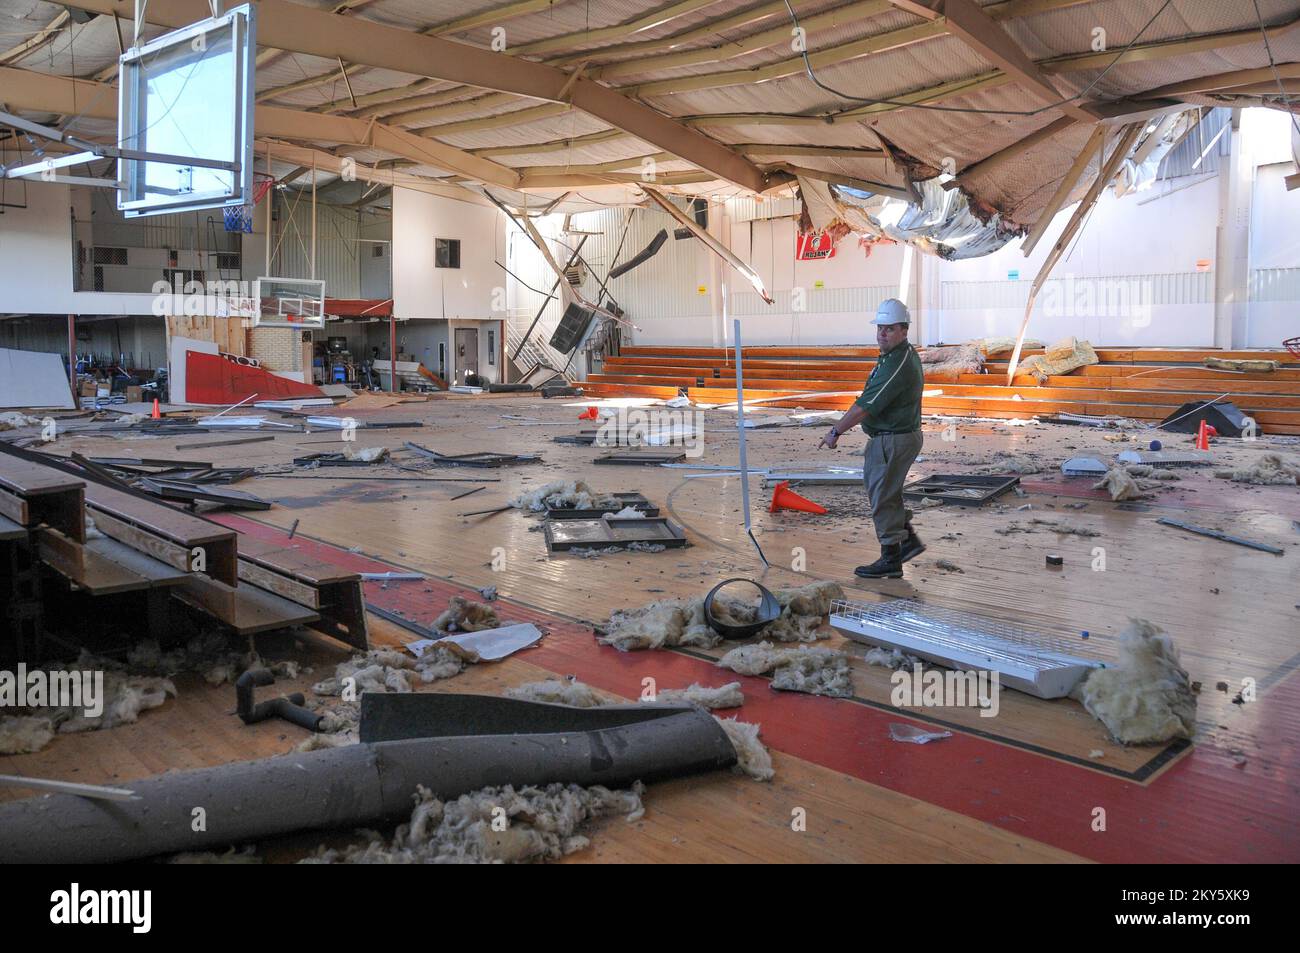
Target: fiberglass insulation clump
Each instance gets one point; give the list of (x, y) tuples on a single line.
[(682, 622), (125, 695), (724, 696), (559, 691), (1269, 470), (805, 669), (754, 759), (463, 615), (571, 494), (1146, 697), (493, 826)]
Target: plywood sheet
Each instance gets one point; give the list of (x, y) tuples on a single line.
[(34, 379)]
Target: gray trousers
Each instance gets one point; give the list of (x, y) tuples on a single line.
[(885, 463)]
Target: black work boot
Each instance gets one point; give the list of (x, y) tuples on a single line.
[(912, 546), (888, 566)]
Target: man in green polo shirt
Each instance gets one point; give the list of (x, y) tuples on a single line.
[(889, 410)]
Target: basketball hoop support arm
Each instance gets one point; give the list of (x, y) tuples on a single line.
[(92, 151)]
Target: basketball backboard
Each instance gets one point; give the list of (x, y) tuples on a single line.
[(186, 99), (289, 303)]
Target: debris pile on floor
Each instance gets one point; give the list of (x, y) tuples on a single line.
[(368, 455), (463, 615), (804, 669), (12, 420), (1146, 697), (890, 658), (145, 681), (1271, 469), (493, 826), (947, 362), (681, 622), (388, 670), (1005, 461), (567, 494), (1064, 356), (1120, 484)]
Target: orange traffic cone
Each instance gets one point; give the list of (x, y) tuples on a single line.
[(591, 413), (157, 413), (1202, 436), (784, 498)]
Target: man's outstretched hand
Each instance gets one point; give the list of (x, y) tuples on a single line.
[(830, 440)]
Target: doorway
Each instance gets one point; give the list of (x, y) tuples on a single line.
[(466, 352)]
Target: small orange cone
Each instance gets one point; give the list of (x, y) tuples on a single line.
[(591, 413), (1202, 437), (157, 414), (784, 498)]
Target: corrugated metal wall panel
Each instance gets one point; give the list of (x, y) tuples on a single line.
[(1092, 292), (818, 301), (752, 210), (1275, 284), (338, 261)]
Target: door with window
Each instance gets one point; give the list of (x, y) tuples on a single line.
[(466, 352)]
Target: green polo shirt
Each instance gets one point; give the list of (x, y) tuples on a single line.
[(892, 397)]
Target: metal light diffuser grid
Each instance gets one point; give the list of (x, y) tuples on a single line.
[(1041, 665)]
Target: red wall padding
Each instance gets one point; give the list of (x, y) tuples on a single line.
[(211, 379)]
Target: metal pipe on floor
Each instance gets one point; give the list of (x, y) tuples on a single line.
[(361, 785)]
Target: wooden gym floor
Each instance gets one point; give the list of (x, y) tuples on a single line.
[(1022, 786)]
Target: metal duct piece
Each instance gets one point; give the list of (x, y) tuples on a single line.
[(367, 785)]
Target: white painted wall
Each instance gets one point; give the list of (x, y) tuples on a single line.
[(422, 291), (1131, 277), (1274, 312)]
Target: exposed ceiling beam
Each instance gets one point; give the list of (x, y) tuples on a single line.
[(711, 30), (966, 21), (384, 105), (57, 94), (310, 82), (291, 26), (325, 162), (37, 40), (1063, 189), (377, 196), (780, 34), (568, 181), (828, 152), (853, 182), (655, 18), (1221, 81), (555, 145), (612, 166), (1016, 149), (1163, 49), (928, 95)]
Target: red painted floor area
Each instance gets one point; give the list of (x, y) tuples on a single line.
[(1205, 808)]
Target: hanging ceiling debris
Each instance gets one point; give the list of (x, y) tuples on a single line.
[(586, 103)]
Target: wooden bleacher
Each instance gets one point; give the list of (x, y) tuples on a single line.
[(1143, 383)]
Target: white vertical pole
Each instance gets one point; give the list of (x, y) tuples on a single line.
[(740, 424)]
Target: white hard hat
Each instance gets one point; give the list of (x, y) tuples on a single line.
[(892, 311)]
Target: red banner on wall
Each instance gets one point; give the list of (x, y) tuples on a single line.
[(814, 247)]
